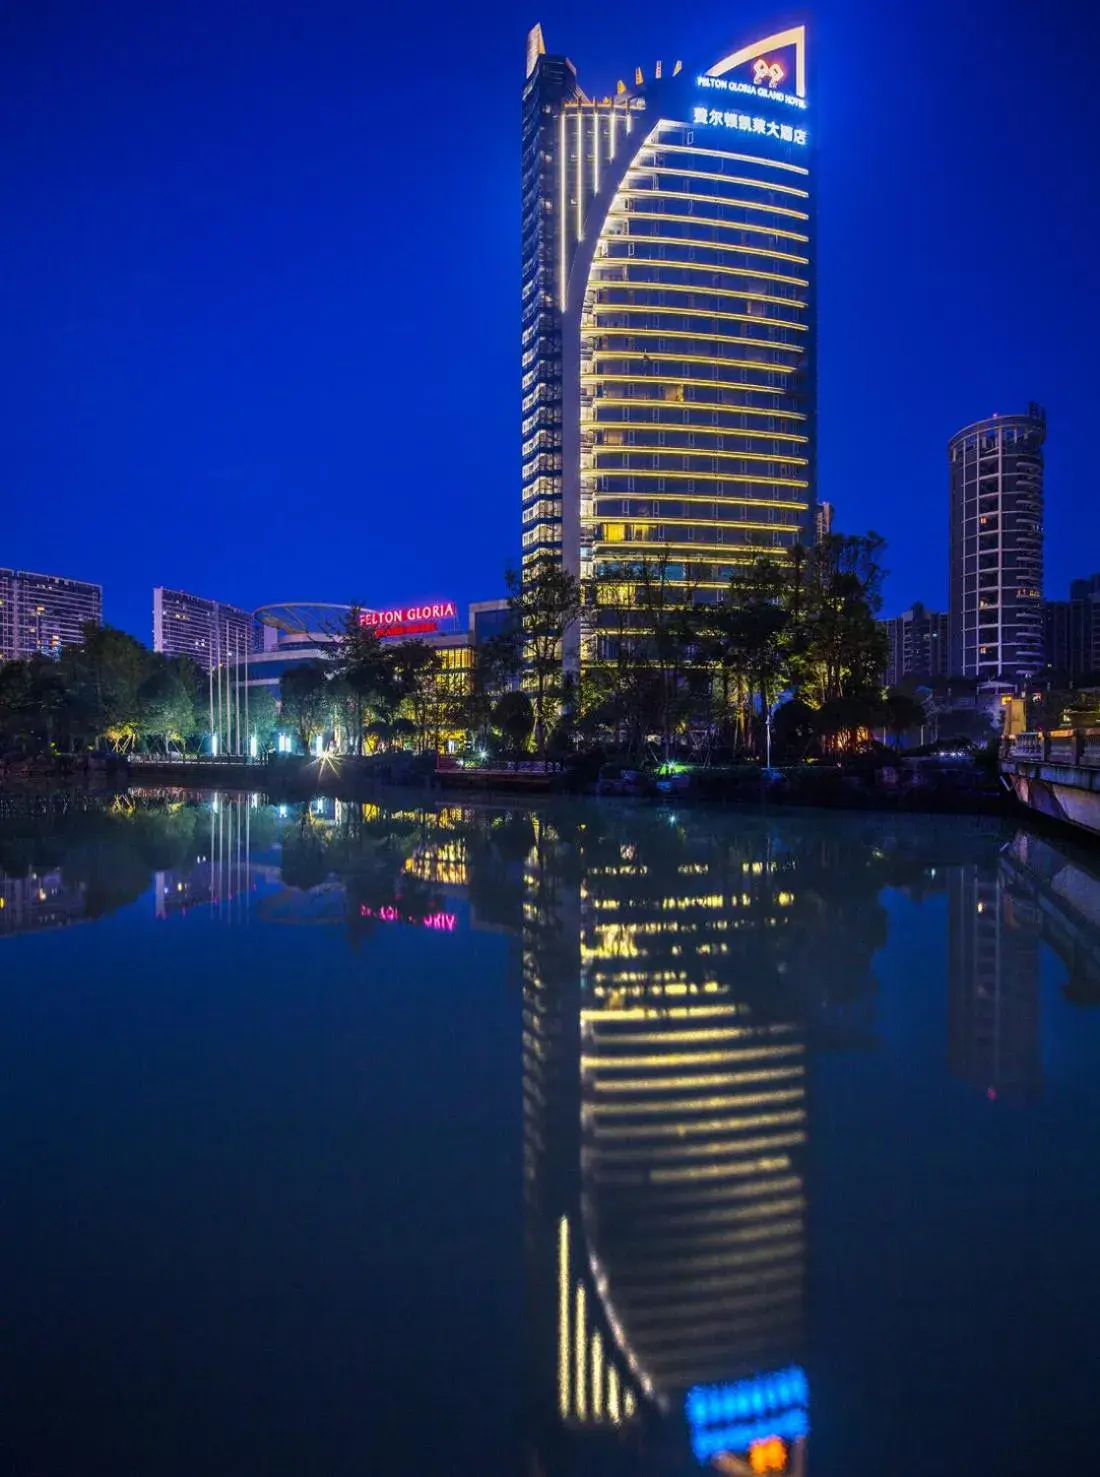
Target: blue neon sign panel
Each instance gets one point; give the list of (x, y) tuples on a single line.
[(732, 1417)]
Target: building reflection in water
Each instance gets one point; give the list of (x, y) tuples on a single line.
[(39, 901), (999, 915), (665, 1104), (993, 982), (674, 978)]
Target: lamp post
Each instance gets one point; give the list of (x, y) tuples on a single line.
[(767, 736)]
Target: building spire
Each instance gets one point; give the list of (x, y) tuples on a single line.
[(536, 47)]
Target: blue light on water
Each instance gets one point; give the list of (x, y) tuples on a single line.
[(731, 1417), (789, 1424)]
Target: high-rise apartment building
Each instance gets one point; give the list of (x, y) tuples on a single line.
[(42, 613), (919, 644), (823, 521), (206, 630), (996, 550), (1071, 632), (668, 350)]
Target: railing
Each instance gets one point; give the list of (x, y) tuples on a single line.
[(200, 759), (1079, 747), (449, 764)]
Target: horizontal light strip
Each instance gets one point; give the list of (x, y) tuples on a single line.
[(658, 146), (702, 477), (670, 308), (717, 501), (595, 1015), (690, 1105), (639, 192), (789, 415), (639, 354), (689, 1174), (689, 426), (714, 1033), (648, 1087), (728, 246), (674, 265), (711, 223), (733, 179), (767, 1208), (733, 525), (723, 553), (708, 1149), (741, 456), (688, 336), (791, 1265), (710, 1125), (721, 1318), (759, 1237), (728, 1056)]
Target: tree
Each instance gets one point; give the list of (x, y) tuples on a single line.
[(843, 721), (366, 668), (514, 716), (416, 674), (840, 650), (495, 669), (544, 602), (103, 676), (901, 714), (305, 701), (665, 640), (167, 701), (263, 717)]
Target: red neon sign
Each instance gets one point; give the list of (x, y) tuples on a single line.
[(443, 922), (409, 620)]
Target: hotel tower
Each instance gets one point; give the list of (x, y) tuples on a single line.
[(669, 378)]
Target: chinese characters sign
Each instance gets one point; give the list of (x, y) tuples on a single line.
[(762, 127)]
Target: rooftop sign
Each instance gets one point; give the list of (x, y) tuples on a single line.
[(409, 620), (758, 62)]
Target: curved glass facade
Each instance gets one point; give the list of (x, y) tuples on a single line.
[(694, 336), (669, 322)]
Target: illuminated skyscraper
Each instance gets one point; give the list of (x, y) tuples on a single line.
[(996, 554), (668, 319)]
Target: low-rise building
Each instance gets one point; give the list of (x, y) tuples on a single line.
[(297, 632)]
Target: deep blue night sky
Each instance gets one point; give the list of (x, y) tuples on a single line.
[(259, 279)]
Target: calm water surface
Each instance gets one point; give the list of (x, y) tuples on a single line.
[(553, 1140)]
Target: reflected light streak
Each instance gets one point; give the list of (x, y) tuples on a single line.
[(563, 1316), (580, 1403)]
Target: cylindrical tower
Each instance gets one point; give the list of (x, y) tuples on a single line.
[(996, 551)]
